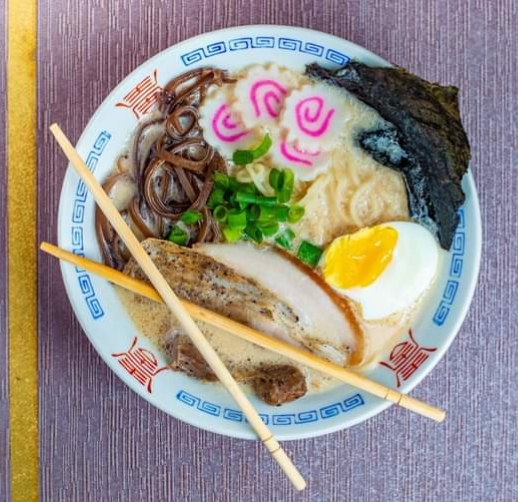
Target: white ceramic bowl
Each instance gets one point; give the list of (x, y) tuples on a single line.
[(137, 362)]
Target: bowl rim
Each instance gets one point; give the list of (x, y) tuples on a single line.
[(463, 304)]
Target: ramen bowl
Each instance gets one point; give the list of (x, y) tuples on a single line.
[(137, 362)]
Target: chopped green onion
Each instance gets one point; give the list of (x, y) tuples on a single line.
[(216, 197), (289, 233), (248, 188), (221, 179), (309, 253), (295, 213), (273, 213), (263, 148), (235, 186), (243, 157), (253, 212), (260, 200), (282, 182), (237, 204), (283, 196), (254, 233), (178, 236), (236, 219), (232, 234), (287, 180), (225, 182), (243, 212), (269, 229), (285, 239), (191, 216), (220, 214), (275, 178)]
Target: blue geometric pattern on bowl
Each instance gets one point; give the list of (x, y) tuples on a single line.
[(264, 42), (78, 215), (457, 258), (303, 417)]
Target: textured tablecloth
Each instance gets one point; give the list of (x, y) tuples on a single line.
[(101, 442)]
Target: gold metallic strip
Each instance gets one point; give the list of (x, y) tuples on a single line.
[(21, 221)]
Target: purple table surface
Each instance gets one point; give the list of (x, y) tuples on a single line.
[(101, 442)]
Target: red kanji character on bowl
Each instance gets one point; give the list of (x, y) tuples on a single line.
[(143, 96), (406, 358), (140, 363)]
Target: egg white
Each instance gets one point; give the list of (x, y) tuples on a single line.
[(410, 273)]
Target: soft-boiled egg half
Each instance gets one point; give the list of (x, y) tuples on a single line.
[(385, 268)]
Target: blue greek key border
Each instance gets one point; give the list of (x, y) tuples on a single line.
[(304, 417), (452, 285), (264, 42), (78, 215)]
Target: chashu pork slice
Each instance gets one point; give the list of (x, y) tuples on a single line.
[(205, 281), (265, 289), (326, 322)]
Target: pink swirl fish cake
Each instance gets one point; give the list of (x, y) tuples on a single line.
[(261, 93), (222, 125), (313, 117), (306, 164)]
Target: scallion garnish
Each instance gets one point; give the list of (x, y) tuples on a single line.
[(253, 211), (248, 188), (191, 216), (220, 214), (178, 236), (295, 213), (216, 197), (282, 182), (227, 183), (250, 198), (221, 179), (232, 234), (275, 178), (309, 253), (286, 181), (254, 232), (243, 157), (236, 219), (273, 213), (285, 239), (283, 196), (244, 212), (269, 229)]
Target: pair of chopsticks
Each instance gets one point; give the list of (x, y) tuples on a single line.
[(177, 308), (184, 311)]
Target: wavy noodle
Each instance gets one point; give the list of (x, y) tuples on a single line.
[(170, 166), (259, 174), (355, 193), (366, 205)]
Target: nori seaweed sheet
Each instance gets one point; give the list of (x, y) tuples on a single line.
[(424, 138)]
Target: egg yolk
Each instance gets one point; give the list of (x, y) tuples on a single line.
[(357, 260)]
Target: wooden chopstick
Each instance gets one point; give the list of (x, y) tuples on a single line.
[(182, 315), (251, 335)]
